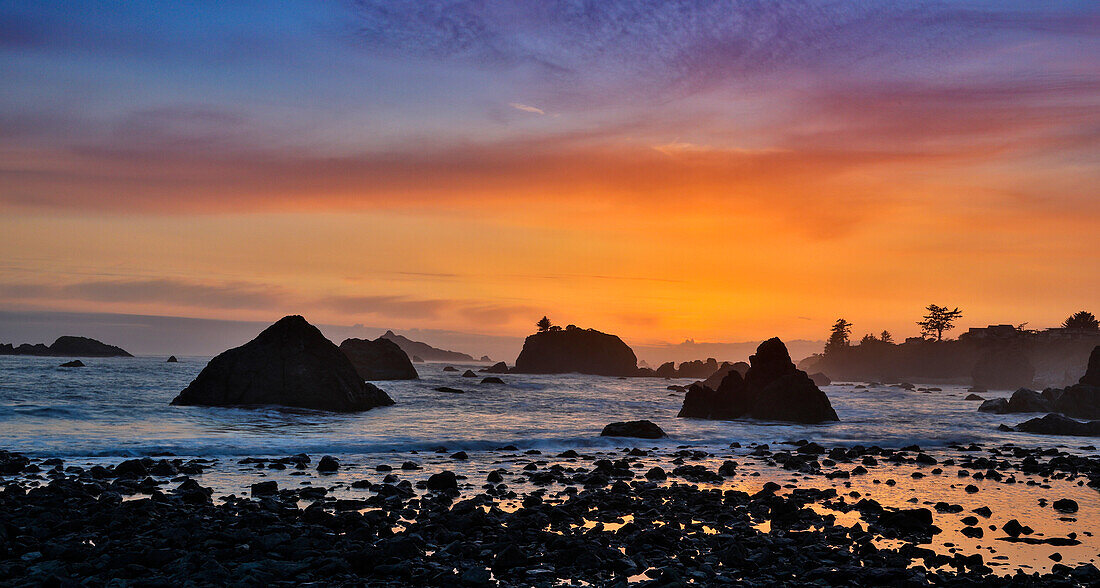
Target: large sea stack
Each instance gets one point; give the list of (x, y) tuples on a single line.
[(772, 389), (584, 351), (381, 359), (289, 364)]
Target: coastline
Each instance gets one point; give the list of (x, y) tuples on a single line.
[(791, 514)]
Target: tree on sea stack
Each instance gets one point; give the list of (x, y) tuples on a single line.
[(1082, 320), (938, 320), (838, 338), (543, 324)]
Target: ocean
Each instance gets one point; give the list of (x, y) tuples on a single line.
[(118, 407)]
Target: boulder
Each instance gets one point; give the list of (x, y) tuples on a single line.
[(641, 429), (793, 398), (381, 359), (172, 359), (492, 380), (469, 374), (820, 379), (1056, 424), (1003, 369), (289, 364), (1080, 401), (666, 370), (973, 397), (1022, 400), (73, 363), (450, 368), (448, 389), (1092, 372), (497, 368), (584, 351), (445, 480), (772, 389), (714, 380)]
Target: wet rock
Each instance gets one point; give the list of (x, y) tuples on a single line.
[(172, 359), (772, 389), (1022, 400), (450, 369), (328, 464), (290, 364), (492, 380), (497, 368), (448, 389), (380, 359), (265, 488), (641, 429), (973, 397), (1065, 505), (1056, 424), (469, 374), (445, 480), (73, 363)]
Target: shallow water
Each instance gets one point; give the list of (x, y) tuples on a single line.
[(119, 407)]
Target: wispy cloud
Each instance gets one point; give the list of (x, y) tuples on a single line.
[(526, 108)]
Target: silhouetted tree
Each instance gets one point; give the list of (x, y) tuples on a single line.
[(543, 324), (838, 338), (1082, 320), (886, 337), (868, 339), (938, 320)]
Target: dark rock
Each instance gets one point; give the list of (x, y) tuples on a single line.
[(425, 351), (492, 380), (66, 346), (328, 464), (641, 429), (289, 364), (1080, 401), (450, 368), (1065, 505), (1056, 424), (772, 389), (469, 374), (73, 363), (1013, 528), (714, 380), (448, 389), (265, 488), (656, 473), (1092, 372), (497, 368), (445, 480), (172, 359), (584, 351), (820, 379), (381, 359), (973, 397), (1003, 369), (1022, 400)]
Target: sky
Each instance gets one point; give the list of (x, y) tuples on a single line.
[(715, 171)]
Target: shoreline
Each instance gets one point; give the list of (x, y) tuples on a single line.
[(789, 513)]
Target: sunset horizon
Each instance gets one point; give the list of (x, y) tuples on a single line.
[(760, 174), (609, 293)]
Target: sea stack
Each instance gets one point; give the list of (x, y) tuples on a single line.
[(772, 389), (289, 364), (381, 359), (583, 351)]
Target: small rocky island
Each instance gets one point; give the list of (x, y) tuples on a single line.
[(772, 389), (381, 359), (576, 350), (66, 346), (289, 364)]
